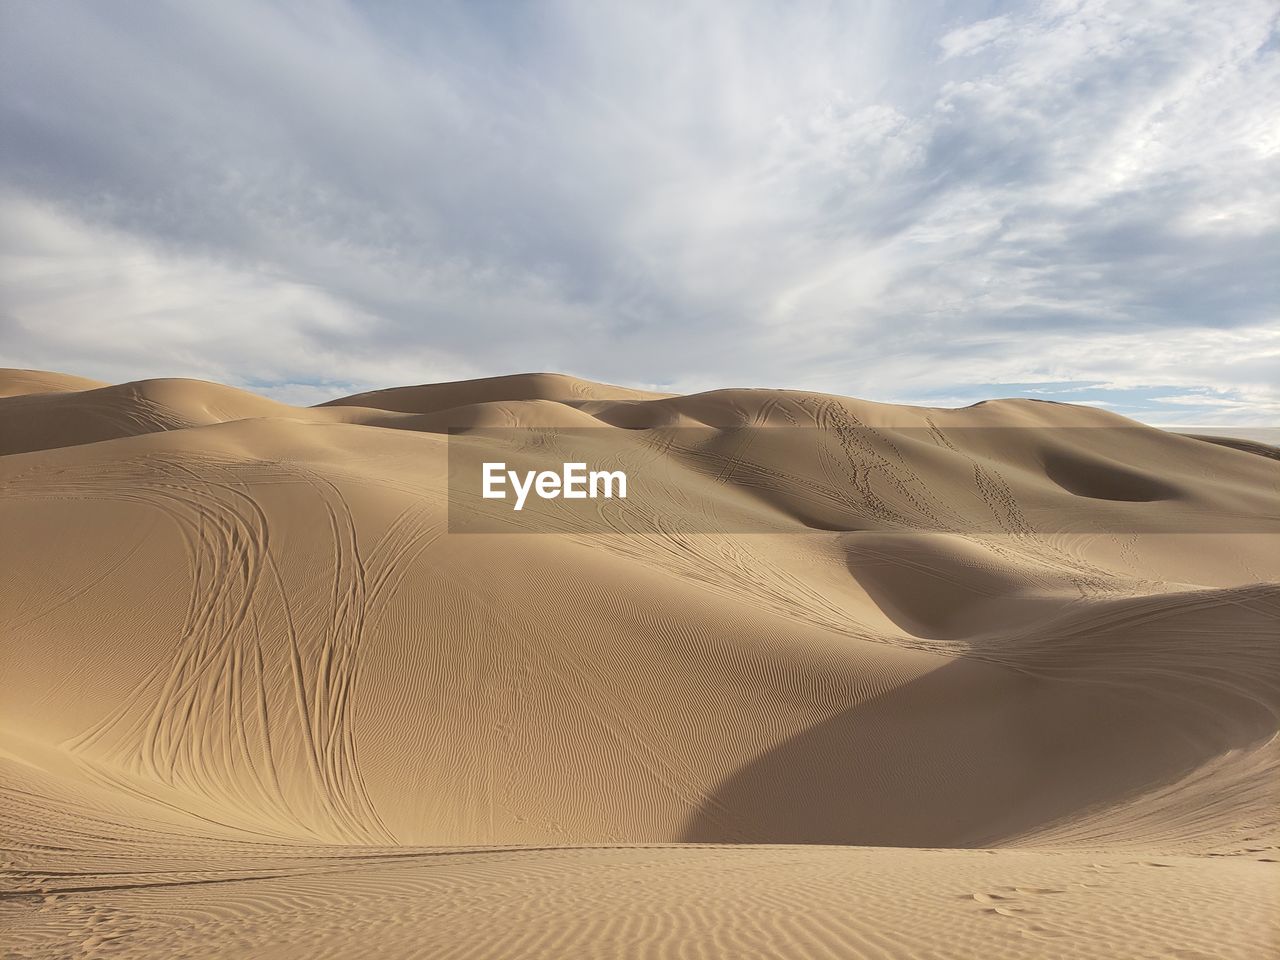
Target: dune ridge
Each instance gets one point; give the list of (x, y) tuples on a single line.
[(962, 656)]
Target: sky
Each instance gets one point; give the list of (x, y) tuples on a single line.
[(910, 201)]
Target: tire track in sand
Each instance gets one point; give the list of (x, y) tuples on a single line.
[(205, 720)]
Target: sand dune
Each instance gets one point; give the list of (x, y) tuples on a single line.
[(272, 689), (433, 397)]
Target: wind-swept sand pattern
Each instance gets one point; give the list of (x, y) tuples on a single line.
[(1010, 674)]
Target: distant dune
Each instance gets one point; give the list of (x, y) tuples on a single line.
[(1011, 673)]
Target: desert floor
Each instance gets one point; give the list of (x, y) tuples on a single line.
[(838, 679)]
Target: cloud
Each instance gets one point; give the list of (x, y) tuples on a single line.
[(66, 274), (881, 201), (973, 37)]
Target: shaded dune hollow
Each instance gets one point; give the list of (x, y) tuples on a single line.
[(931, 661)]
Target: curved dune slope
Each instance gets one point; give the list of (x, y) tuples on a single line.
[(18, 383), (234, 627), (72, 416)]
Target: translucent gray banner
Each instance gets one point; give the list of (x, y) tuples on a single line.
[(988, 480)]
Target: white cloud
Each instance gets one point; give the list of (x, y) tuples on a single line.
[(973, 37), (170, 315), (876, 200)]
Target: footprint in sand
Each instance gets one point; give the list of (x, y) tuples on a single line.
[(1016, 903)]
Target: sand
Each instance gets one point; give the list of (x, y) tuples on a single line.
[(993, 682)]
